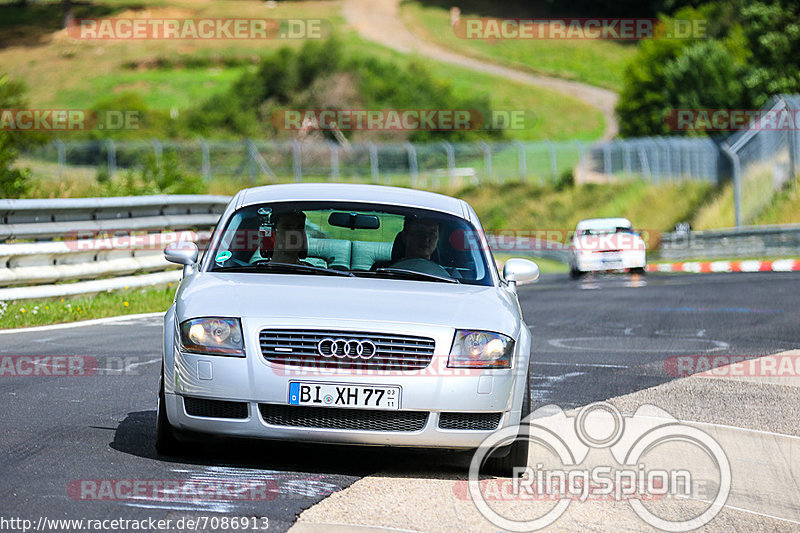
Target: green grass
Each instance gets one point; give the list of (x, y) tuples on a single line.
[(64, 73), (528, 206), (555, 116), (546, 266), (25, 313), (594, 62), (160, 89)]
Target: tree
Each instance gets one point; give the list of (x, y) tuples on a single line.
[(772, 30), (14, 182), (669, 74)]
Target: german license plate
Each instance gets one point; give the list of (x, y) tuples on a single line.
[(337, 395)]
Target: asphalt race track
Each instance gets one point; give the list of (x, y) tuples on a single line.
[(594, 338)]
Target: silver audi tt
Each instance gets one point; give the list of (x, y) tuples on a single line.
[(351, 314)]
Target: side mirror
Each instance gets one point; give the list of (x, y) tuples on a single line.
[(520, 270), (182, 252)]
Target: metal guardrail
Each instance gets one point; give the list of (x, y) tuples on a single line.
[(749, 241), (47, 241)]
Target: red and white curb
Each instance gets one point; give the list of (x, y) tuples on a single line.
[(778, 265)]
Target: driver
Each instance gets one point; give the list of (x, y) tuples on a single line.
[(420, 237)]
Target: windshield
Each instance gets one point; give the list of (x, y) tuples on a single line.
[(606, 230), (365, 240)]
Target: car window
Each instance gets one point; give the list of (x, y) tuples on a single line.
[(366, 240)]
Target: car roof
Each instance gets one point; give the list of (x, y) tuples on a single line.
[(379, 194), (598, 223)]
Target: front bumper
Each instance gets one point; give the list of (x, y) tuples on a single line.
[(253, 381)]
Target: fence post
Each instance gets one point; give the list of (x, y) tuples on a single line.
[(62, 156), (451, 161), (487, 160), (737, 183), (373, 162), (413, 168), (581, 161), (791, 137), (297, 161), (158, 154), (626, 154), (521, 160), (334, 148), (553, 160), (111, 152), (206, 164), (607, 170), (644, 161)]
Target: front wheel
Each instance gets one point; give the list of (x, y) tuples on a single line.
[(515, 455), (166, 443), (638, 270)]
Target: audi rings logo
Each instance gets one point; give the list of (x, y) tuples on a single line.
[(352, 348)]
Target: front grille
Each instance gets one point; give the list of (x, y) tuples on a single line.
[(214, 408), (299, 348), (473, 421), (331, 418)]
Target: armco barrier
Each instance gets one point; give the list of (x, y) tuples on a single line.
[(45, 241), (752, 241)]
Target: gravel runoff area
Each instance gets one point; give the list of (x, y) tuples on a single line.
[(754, 420)]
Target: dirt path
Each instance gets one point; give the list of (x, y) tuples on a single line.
[(379, 20)]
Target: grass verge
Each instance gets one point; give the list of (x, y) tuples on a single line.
[(26, 313), (546, 266), (596, 62)]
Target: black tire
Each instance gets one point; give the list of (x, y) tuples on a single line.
[(638, 270), (166, 443), (503, 461), (575, 273)]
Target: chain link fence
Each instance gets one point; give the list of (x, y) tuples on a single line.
[(432, 165), (764, 157), (761, 161)]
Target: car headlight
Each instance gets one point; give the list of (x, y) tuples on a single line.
[(213, 335), (480, 349), (586, 253)]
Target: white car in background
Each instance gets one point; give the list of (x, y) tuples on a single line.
[(606, 244)]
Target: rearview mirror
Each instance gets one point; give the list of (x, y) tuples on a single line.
[(354, 221)]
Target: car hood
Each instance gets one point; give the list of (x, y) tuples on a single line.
[(343, 298)]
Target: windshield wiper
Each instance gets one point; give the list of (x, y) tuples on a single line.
[(409, 274), (288, 268)]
